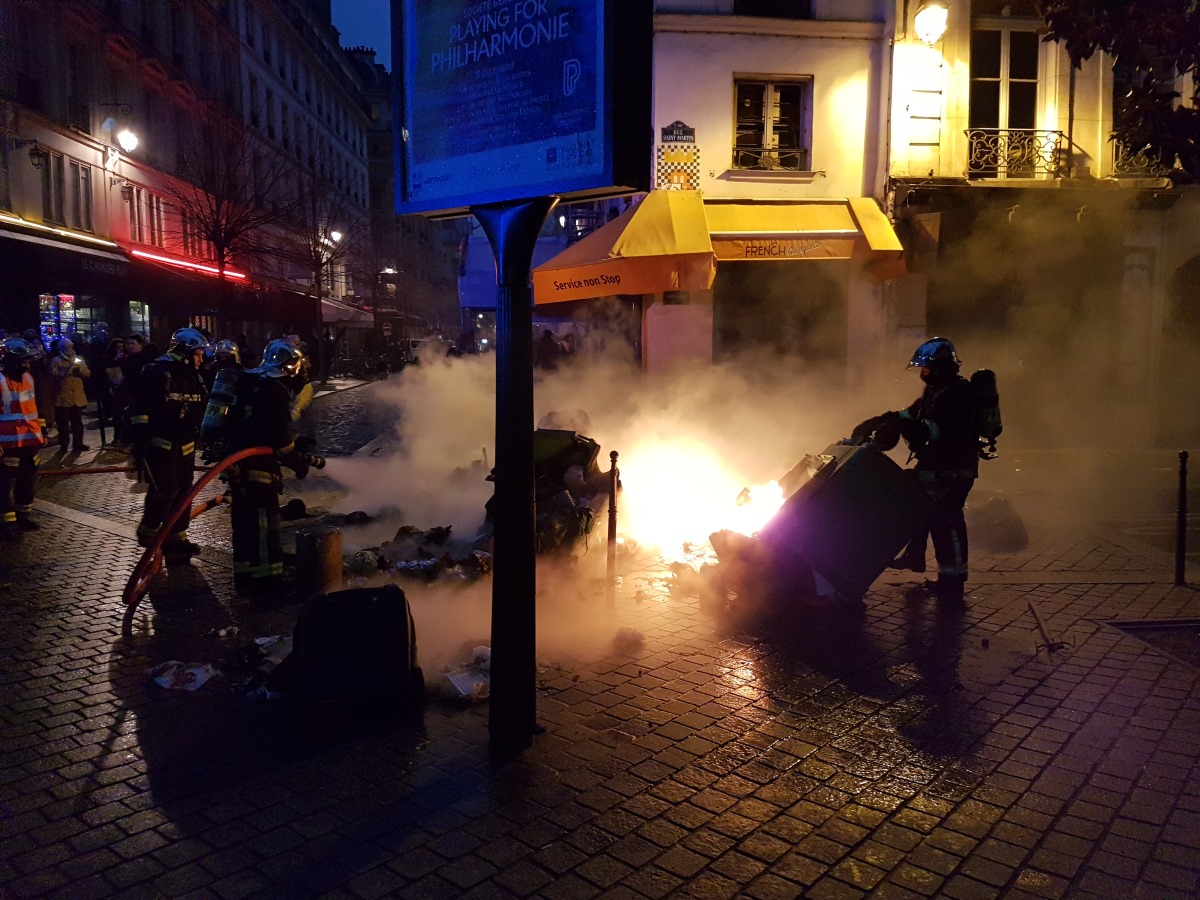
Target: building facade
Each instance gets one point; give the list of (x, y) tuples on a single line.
[(869, 180), (236, 210), (1053, 253)]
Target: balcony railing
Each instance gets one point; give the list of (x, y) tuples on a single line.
[(1015, 153), (1133, 164), (770, 159)]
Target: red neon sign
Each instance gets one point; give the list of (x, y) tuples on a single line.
[(186, 264)]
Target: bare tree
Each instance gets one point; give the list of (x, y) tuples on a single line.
[(232, 187), (324, 231)]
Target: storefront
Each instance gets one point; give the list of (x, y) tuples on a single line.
[(721, 277), (63, 286)]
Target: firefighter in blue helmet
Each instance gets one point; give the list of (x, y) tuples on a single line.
[(939, 428), (261, 417), (164, 423)]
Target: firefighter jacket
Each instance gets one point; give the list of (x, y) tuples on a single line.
[(263, 418), (940, 428), (168, 404), (20, 425)]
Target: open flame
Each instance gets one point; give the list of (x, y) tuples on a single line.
[(680, 492)]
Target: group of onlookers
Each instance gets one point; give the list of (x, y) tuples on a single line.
[(71, 372)]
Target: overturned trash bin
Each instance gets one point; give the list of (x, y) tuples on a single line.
[(850, 511)]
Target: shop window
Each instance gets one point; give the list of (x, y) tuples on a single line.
[(773, 123), (139, 317)]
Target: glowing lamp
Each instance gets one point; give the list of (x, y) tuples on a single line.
[(930, 21), (128, 140)]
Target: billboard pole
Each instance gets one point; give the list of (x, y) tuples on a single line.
[(512, 229)]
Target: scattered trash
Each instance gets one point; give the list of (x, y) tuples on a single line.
[(294, 509), (473, 681), (629, 641), (275, 649), (227, 631), (363, 562), (176, 675)]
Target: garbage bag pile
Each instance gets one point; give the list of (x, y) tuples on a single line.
[(570, 490), (418, 555)]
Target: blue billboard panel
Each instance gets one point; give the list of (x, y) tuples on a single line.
[(502, 100)]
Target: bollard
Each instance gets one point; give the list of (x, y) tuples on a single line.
[(318, 561), (614, 480), (1181, 521)]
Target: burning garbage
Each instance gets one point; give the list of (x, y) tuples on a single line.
[(848, 511), (571, 493)]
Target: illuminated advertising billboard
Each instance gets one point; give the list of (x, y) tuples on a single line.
[(510, 99)]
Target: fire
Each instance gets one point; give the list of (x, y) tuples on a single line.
[(680, 492)]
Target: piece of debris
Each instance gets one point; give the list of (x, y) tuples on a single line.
[(176, 675), (473, 680), (628, 641), (294, 509)]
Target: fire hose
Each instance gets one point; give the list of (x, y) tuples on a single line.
[(151, 562)]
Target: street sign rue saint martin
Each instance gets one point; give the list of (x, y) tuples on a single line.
[(678, 133)]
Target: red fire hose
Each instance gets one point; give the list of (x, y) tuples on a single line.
[(151, 562)]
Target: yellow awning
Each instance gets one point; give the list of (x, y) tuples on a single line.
[(800, 229), (661, 244)]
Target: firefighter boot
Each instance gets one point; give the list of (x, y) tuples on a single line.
[(178, 545)]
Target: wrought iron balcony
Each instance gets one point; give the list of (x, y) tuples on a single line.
[(770, 159), (1136, 164), (1015, 153)]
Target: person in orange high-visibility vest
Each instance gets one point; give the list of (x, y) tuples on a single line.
[(22, 435)]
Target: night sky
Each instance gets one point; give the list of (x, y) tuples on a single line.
[(365, 23)]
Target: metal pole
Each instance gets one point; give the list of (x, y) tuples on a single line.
[(614, 479), (512, 230), (1181, 521)]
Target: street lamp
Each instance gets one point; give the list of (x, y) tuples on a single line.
[(125, 138), (37, 155), (335, 236), (930, 21)]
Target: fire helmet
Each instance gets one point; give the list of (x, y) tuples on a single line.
[(15, 350), (186, 340), (281, 359), (227, 348), (937, 350)]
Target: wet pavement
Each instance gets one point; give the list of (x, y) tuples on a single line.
[(712, 752)]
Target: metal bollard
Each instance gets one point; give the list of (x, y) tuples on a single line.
[(318, 560), (1181, 521), (614, 476)]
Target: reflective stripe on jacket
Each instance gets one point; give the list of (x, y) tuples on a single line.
[(20, 425)]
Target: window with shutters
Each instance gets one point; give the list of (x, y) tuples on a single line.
[(773, 124)]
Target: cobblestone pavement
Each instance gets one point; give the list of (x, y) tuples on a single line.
[(909, 753)]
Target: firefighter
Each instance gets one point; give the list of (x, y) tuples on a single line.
[(22, 434), (226, 355), (165, 424), (262, 417), (939, 428)]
